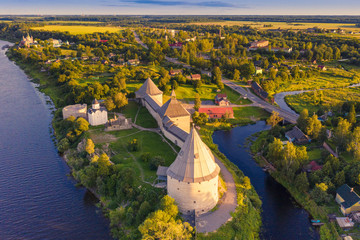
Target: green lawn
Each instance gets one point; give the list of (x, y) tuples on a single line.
[(149, 142), (314, 154), (130, 110), (207, 92), (145, 119)]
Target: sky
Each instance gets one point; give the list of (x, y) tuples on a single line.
[(181, 7)]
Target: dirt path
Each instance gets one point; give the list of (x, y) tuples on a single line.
[(211, 221)]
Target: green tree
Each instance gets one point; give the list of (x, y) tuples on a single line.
[(197, 102), (274, 119), (352, 114), (275, 152), (236, 76), (339, 178), (301, 182), (354, 145), (109, 104), (120, 100), (302, 120), (90, 146), (342, 133), (313, 127), (63, 145), (81, 126)]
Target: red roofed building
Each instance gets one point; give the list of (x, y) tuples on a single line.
[(218, 112), (221, 100), (103, 41), (176, 45)]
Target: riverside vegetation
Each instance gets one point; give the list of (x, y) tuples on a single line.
[(119, 166)]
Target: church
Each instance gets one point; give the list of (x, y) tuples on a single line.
[(27, 42), (97, 115)]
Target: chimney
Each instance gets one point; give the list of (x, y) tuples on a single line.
[(352, 189)]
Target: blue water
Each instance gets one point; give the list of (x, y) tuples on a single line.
[(37, 198), (283, 219)]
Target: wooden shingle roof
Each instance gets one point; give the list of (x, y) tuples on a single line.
[(148, 88), (195, 161), (173, 108)]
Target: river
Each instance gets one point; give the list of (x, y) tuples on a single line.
[(37, 198), (283, 218)]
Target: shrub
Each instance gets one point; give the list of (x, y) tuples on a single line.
[(155, 162)]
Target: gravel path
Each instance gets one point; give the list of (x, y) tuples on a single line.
[(211, 221)]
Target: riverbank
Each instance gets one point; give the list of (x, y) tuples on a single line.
[(33, 176), (327, 231), (248, 212)]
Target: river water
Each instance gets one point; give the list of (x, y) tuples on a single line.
[(37, 198), (283, 219)]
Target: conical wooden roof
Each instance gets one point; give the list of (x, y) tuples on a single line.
[(195, 161), (173, 108), (148, 88), (173, 94)]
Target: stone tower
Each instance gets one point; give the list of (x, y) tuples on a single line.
[(192, 179)]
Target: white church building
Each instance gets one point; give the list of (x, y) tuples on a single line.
[(97, 115)]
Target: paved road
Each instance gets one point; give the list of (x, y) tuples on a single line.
[(287, 115), (211, 221)]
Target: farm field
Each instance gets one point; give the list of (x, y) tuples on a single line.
[(328, 98), (78, 29), (283, 25)]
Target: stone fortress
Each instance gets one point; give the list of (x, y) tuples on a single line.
[(192, 179)]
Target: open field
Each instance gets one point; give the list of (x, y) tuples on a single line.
[(77, 29), (328, 98), (334, 78), (283, 25), (72, 22)]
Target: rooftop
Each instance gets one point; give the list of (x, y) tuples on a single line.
[(173, 108), (349, 195), (195, 161), (148, 88)]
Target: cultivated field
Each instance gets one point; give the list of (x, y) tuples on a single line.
[(283, 25), (78, 29)]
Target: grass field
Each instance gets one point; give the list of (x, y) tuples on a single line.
[(77, 29), (333, 78), (329, 98), (149, 142), (284, 25), (207, 92)]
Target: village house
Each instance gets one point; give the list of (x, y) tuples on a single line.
[(77, 110), (348, 199), (218, 112), (258, 90), (176, 45), (295, 135), (192, 179), (259, 44), (175, 72), (133, 62), (258, 70), (194, 77), (97, 115), (313, 166), (221, 100)]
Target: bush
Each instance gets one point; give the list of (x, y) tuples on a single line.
[(133, 145), (145, 157), (63, 145), (155, 162)]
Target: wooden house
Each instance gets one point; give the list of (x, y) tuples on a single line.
[(348, 199), (296, 136)]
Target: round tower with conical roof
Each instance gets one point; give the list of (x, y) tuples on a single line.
[(192, 179)]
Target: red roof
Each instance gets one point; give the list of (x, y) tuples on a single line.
[(314, 166), (103, 41), (216, 110), (221, 95)]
